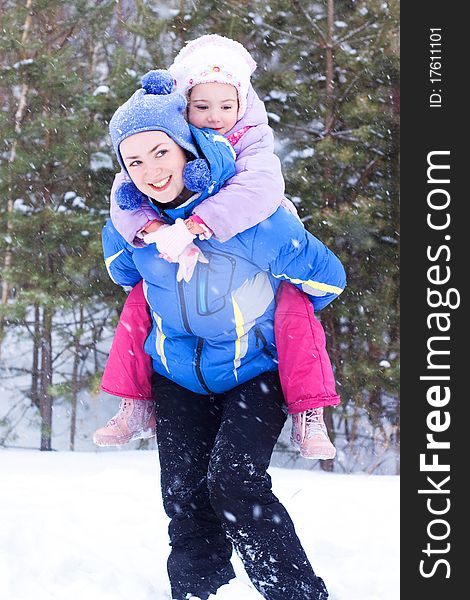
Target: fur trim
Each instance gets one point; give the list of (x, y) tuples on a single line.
[(211, 40)]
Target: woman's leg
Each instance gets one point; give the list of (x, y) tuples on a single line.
[(187, 424), (240, 492)]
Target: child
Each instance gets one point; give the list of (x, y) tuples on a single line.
[(214, 74)]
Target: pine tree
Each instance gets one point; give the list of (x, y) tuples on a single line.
[(331, 83), (55, 199), (328, 73)]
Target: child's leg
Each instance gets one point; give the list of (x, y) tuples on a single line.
[(305, 371), (304, 365), (128, 371), (128, 374)]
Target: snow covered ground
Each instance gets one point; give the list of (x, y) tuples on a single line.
[(90, 526)]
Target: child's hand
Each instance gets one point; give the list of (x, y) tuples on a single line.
[(197, 226), (193, 226), (151, 227), (171, 240)]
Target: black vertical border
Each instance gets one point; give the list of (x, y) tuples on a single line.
[(425, 129)]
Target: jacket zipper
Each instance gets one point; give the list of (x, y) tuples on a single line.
[(260, 336), (199, 346), (200, 341)]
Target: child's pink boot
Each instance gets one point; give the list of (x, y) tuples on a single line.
[(310, 436), (134, 421)]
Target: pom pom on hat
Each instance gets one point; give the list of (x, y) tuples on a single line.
[(128, 197), (154, 107), (197, 175), (158, 82), (214, 58)]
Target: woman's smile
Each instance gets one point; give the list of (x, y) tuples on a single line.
[(161, 185)]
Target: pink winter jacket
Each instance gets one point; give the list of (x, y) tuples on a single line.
[(252, 195)]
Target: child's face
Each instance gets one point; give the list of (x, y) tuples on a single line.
[(155, 163), (213, 105)]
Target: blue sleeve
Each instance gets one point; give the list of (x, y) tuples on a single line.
[(118, 257), (289, 252)]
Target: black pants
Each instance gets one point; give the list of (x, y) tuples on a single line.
[(214, 452)]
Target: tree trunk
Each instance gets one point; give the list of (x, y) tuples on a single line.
[(329, 200), (35, 362), (45, 397), (330, 324), (329, 84), (395, 330), (119, 32), (75, 381), (18, 120)]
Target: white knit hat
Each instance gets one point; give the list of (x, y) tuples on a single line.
[(214, 59)]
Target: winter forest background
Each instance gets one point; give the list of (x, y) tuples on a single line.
[(328, 74)]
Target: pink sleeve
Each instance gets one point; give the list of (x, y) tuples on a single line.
[(305, 369), (128, 371)]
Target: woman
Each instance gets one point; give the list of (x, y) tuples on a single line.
[(219, 403)]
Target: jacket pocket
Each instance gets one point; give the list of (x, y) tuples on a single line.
[(213, 289)]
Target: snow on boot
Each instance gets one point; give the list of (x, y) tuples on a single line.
[(310, 436), (134, 421)]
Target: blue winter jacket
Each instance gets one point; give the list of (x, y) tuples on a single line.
[(217, 331)]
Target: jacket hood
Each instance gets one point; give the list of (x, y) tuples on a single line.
[(220, 155), (255, 113)]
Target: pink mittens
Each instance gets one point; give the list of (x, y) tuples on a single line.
[(188, 261), (175, 244)]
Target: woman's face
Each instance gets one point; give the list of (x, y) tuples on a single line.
[(155, 163)]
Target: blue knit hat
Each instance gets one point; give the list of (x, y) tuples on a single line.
[(156, 107)]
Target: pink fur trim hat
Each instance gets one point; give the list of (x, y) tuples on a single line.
[(214, 59)]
